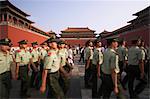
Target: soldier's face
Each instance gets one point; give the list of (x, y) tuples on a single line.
[(99, 44), (35, 46), (54, 45), (91, 44), (4, 48), (23, 45), (115, 44), (62, 45)]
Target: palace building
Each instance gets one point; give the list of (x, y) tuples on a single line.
[(138, 27), (15, 25), (77, 36)]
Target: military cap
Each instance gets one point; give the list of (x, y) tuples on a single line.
[(61, 42), (5, 41), (112, 39), (34, 43), (23, 42)]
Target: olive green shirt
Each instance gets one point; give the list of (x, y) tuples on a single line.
[(88, 53), (97, 56), (134, 55), (110, 61), (43, 53), (23, 57), (35, 55), (52, 61), (122, 52), (5, 62), (63, 57)]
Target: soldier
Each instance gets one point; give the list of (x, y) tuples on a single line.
[(50, 75), (43, 53), (110, 69), (136, 67), (122, 52), (36, 62), (97, 61), (23, 59), (5, 63), (88, 63), (64, 68)]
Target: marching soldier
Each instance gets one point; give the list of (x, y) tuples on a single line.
[(88, 63), (135, 68), (64, 68), (97, 61), (5, 63), (50, 75), (43, 53), (110, 70), (122, 52), (23, 59), (36, 62)]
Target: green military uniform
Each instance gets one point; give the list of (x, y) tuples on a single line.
[(43, 53), (122, 52), (52, 64), (88, 56), (35, 59), (97, 60), (5, 75), (134, 56), (64, 82), (23, 57), (110, 62)]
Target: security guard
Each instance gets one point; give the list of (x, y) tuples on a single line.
[(97, 61), (88, 63), (23, 58), (136, 67), (5, 63), (110, 69), (36, 62), (64, 68), (50, 76)]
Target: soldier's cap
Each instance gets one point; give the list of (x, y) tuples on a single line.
[(52, 40), (113, 39), (5, 41), (34, 43), (23, 42), (61, 42)]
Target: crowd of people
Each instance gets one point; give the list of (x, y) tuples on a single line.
[(48, 67), (116, 66)]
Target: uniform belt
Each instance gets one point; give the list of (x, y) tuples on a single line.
[(23, 65), (4, 73), (53, 72)]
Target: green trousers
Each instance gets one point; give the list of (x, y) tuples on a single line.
[(54, 89), (5, 85)]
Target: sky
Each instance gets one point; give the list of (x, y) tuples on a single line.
[(98, 15)]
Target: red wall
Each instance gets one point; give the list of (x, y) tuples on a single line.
[(142, 32), (3, 31), (17, 34)]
